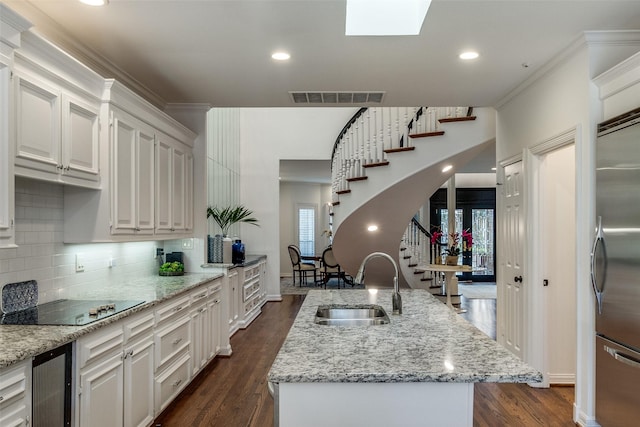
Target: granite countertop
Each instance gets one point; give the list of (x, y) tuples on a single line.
[(427, 343), (248, 261), (19, 342)]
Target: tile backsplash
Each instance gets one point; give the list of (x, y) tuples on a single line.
[(41, 254)]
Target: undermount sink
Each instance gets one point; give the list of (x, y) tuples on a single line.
[(351, 315)]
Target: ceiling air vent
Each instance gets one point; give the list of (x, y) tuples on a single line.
[(319, 97)]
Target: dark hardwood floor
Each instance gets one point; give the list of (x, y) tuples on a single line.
[(232, 392)]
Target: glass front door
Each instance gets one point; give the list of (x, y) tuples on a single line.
[(476, 213)]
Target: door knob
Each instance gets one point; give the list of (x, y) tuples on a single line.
[(517, 279)]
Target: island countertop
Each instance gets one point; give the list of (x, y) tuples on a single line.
[(19, 342), (428, 342)]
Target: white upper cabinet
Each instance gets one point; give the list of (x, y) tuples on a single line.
[(146, 159), (132, 170), (56, 120), (174, 176)]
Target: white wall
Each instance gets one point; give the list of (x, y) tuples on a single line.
[(560, 98), (267, 136), (41, 255), (291, 194)]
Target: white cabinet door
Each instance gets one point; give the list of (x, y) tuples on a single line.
[(80, 130), (138, 384), (145, 182), (234, 298), (101, 394), (123, 185), (200, 336), (178, 187), (7, 188), (174, 191), (214, 323), (164, 164), (133, 176), (188, 193), (37, 109)]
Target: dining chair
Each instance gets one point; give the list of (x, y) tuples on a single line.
[(302, 268), (330, 267)]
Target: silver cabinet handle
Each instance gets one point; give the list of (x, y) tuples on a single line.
[(177, 383), (177, 341), (177, 309), (621, 357), (200, 296)]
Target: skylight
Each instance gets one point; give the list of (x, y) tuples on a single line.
[(385, 17)]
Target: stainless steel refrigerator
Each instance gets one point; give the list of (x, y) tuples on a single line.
[(615, 271)]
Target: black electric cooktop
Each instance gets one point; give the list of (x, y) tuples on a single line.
[(68, 312)]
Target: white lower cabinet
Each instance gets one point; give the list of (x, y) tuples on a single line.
[(235, 299), (129, 372), (200, 330), (115, 364), (215, 319), (101, 393), (15, 395)]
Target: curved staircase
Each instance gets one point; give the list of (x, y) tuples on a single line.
[(386, 163)]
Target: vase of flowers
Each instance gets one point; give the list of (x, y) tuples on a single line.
[(458, 242)]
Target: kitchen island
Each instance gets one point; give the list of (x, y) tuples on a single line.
[(417, 370)]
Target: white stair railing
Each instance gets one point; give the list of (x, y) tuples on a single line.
[(366, 139)]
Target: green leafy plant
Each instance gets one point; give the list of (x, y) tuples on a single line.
[(226, 217), (172, 267)]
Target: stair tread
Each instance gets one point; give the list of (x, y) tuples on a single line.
[(427, 134), (342, 192), (457, 119), (375, 165), (357, 178), (426, 279), (399, 150)]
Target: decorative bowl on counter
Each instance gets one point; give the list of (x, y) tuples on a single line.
[(171, 273), (174, 268)]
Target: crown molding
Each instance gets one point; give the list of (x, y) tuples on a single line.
[(48, 29)]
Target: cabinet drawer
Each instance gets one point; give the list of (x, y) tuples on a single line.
[(14, 415), (172, 309), (215, 287), (99, 344), (172, 381), (199, 295), (251, 272), (13, 384), (172, 340), (251, 289), (140, 326)]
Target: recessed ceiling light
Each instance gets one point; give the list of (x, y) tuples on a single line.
[(447, 168), (372, 228), (95, 2), (280, 56), (469, 55)]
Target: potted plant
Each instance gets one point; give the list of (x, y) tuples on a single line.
[(221, 251), (226, 217), (454, 249)]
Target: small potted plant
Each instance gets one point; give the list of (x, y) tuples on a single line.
[(454, 249), (226, 217)]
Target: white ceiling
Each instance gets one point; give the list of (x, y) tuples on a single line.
[(218, 51)]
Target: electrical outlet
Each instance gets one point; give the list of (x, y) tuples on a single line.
[(159, 252), (79, 263)]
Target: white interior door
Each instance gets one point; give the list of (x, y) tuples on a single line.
[(513, 317), (558, 213)]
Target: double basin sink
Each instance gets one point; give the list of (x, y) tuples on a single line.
[(351, 315)]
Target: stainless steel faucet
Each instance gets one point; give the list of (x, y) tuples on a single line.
[(396, 300)]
